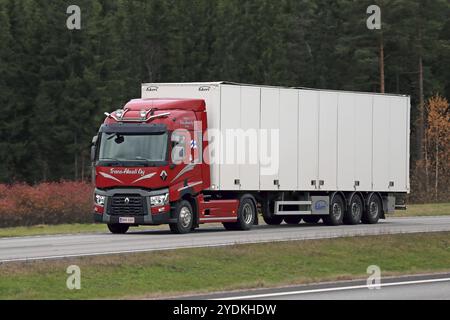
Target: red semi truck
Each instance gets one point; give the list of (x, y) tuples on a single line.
[(194, 153)]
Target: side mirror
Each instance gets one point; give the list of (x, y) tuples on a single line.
[(94, 148)]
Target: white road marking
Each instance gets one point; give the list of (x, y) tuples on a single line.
[(291, 293)]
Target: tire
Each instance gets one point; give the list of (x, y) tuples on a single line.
[(269, 218), (311, 219), (118, 228), (372, 214), (354, 212), (292, 219), (336, 216), (185, 218), (246, 214)]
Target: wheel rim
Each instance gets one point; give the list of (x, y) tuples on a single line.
[(337, 210), (247, 211), (373, 208), (356, 210), (185, 217)]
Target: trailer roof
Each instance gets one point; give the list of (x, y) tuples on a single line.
[(217, 83)]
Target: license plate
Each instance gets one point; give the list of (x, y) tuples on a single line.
[(127, 220)]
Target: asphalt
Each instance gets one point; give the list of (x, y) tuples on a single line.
[(66, 246), (419, 287)]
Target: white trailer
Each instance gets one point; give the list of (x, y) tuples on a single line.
[(330, 142)]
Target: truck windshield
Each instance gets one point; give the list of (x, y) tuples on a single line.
[(133, 148)]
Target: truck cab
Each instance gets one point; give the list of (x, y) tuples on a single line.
[(149, 169)]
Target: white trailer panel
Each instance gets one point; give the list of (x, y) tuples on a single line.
[(346, 142), (381, 140), (363, 142), (230, 121), (398, 137), (250, 119), (270, 122), (328, 141), (350, 141), (288, 173), (308, 140)]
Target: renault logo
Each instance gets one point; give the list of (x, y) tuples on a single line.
[(127, 200)]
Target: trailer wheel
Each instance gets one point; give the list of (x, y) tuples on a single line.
[(372, 214), (118, 228), (311, 219), (354, 211), (336, 216), (292, 219), (185, 218)]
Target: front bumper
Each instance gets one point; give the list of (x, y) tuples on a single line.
[(146, 219)]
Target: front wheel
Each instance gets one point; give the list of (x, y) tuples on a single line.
[(184, 215), (118, 228)]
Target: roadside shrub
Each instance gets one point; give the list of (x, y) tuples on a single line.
[(46, 203)]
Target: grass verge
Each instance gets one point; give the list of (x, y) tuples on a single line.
[(204, 270), (417, 210)]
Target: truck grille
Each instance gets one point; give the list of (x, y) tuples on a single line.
[(127, 205)]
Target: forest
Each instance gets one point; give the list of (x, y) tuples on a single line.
[(56, 83)]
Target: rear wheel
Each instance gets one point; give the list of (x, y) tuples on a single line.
[(268, 216), (311, 219), (246, 216), (336, 216), (118, 228), (372, 214), (185, 218), (354, 211), (292, 219)]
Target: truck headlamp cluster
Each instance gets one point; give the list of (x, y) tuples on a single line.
[(159, 201), (100, 200)]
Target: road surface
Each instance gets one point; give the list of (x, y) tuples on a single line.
[(422, 287), (65, 246)]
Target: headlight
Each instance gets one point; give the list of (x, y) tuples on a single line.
[(159, 201), (100, 200)]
